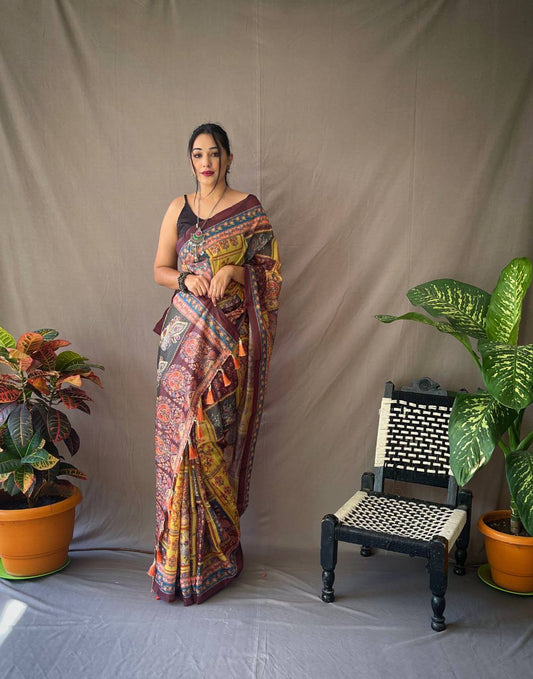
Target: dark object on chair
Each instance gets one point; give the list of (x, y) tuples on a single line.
[(412, 446)]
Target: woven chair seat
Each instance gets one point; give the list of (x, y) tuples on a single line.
[(402, 517)]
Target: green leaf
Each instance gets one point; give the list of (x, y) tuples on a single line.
[(508, 373), (519, 470), (67, 358), (48, 333), (24, 478), (79, 368), (6, 339), (8, 464), (505, 308), (20, 426), (477, 422), (63, 468), (10, 487), (465, 306), (38, 414), (439, 325), (41, 460)]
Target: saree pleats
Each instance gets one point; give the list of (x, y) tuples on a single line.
[(212, 372)]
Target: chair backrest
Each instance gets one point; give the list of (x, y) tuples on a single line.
[(412, 442)]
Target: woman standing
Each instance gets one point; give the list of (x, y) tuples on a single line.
[(218, 253)]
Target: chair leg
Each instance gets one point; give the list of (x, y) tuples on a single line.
[(465, 499), (438, 581), (328, 556), (460, 554)]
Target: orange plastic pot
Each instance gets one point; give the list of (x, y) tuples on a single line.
[(510, 557), (35, 541)]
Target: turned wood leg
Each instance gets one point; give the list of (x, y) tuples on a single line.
[(328, 556), (438, 581)]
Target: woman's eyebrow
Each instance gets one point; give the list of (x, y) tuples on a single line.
[(211, 148)]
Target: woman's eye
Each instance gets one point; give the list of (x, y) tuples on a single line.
[(197, 155), (216, 154)]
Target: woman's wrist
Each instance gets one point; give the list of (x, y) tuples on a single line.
[(182, 277)]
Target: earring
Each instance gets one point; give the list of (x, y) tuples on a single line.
[(228, 169)]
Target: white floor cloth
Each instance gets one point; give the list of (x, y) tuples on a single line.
[(97, 618)]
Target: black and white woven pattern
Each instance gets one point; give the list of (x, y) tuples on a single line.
[(414, 437), (401, 517)]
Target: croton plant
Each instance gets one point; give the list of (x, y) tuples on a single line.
[(36, 378), (492, 417)]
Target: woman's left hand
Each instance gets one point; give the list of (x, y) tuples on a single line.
[(219, 283)]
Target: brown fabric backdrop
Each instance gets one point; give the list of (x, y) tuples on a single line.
[(390, 143)]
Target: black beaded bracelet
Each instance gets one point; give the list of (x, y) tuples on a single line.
[(181, 282)]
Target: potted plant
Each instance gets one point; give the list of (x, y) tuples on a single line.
[(492, 417), (32, 497)]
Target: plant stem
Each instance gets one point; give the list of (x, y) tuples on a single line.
[(524, 445), (516, 523), (504, 447)]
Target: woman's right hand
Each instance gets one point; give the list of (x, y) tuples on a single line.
[(198, 285)]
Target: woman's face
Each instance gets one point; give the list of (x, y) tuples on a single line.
[(208, 164)]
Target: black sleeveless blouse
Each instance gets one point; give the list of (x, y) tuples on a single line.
[(186, 219)]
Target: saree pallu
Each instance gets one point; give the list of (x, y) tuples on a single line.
[(212, 371)]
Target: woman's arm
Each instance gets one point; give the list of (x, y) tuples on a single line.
[(165, 272)]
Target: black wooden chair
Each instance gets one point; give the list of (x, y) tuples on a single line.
[(412, 446)]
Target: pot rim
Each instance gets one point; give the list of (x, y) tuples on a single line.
[(30, 513), (496, 534)]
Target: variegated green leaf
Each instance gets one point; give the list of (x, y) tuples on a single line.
[(9, 485), (508, 373), (48, 333), (465, 306), (8, 463), (40, 459), (24, 478), (439, 325), (65, 469), (20, 426), (6, 339), (519, 470), (477, 422), (505, 308)]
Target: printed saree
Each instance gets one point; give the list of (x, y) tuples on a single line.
[(212, 371)]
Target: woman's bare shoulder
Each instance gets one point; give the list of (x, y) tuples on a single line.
[(177, 205)]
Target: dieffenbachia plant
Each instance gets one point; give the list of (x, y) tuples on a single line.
[(39, 379), (492, 417)]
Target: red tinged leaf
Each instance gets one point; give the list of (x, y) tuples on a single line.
[(75, 400), (58, 425), (71, 379), (23, 359), (57, 344), (72, 442), (9, 394), (40, 384), (29, 342), (46, 356), (93, 377), (5, 410)]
